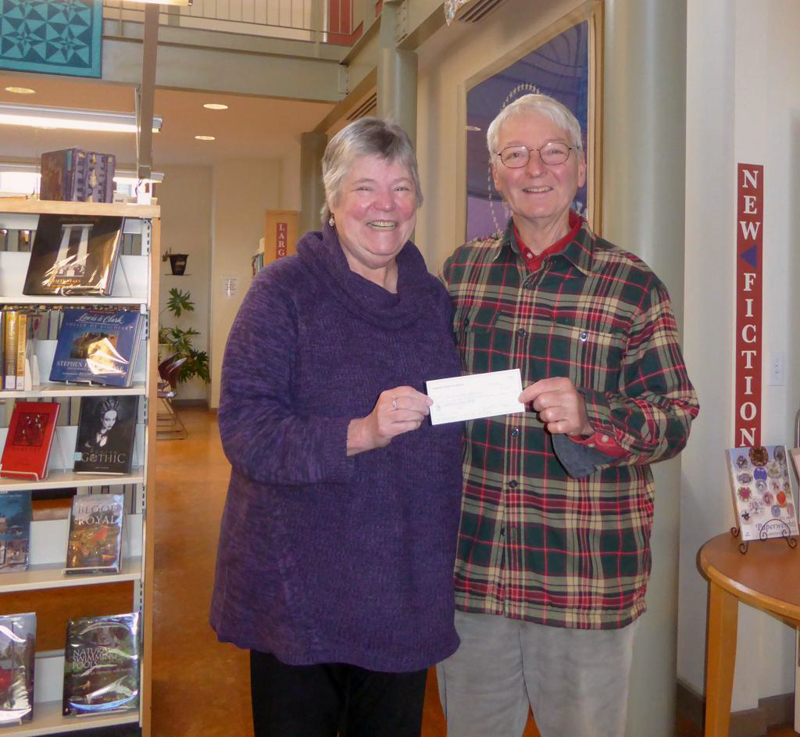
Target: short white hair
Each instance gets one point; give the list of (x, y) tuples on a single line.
[(365, 137), (543, 104)]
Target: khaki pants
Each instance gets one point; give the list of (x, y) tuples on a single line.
[(576, 681)]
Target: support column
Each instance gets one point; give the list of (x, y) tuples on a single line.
[(312, 193), (644, 156), (397, 76)]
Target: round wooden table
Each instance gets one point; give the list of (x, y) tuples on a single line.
[(767, 577)]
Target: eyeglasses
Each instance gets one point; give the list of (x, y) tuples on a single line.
[(551, 154)]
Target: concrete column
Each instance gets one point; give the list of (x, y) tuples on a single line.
[(397, 76), (644, 155), (312, 193)]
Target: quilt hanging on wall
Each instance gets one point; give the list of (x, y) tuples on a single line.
[(52, 36)]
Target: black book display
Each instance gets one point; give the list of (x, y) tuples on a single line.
[(106, 432), (74, 255)]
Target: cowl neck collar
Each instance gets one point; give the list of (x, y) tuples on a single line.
[(322, 253)]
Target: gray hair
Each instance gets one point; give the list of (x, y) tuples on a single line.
[(365, 137), (545, 105)]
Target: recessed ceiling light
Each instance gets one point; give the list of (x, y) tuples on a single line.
[(206, 138), (215, 106), (21, 90)]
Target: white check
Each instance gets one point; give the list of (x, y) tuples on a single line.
[(477, 395)]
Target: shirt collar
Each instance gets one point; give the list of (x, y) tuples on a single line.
[(579, 251)]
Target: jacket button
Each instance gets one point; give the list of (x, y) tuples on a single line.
[(522, 332), (584, 336), (512, 484), (515, 432)]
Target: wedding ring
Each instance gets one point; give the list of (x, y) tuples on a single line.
[(394, 404)]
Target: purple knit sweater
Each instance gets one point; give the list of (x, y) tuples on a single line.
[(324, 558)]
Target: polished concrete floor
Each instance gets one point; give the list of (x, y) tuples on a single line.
[(201, 687)]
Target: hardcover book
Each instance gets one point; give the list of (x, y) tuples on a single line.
[(15, 530), (77, 176), (106, 431), (17, 650), (97, 346), (95, 534), (29, 439), (101, 665), (762, 492), (74, 255), (11, 323)]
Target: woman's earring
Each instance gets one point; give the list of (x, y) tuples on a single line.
[(331, 221)]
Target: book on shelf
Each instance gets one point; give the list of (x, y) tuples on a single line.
[(98, 346), (95, 534), (77, 176), (29, 440), (762, 492), (17, 659), (101, 665), (19, 328), (10, 324), (74, 255), (15, 530), (106, 433)]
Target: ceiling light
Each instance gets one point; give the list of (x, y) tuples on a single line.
[(206, 138), (62, 118), (21, 90), (215, 106)]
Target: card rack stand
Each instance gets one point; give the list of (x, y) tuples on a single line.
[(791, 540)]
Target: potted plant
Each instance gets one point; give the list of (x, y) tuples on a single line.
[(180, 342)]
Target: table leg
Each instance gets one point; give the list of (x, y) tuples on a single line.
[(721, 653)]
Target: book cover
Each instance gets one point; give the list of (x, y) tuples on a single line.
[(29, 439), (97, 346), (15, 530), (74, 255), (762, 492), (101, 665), (10, 348), (17, 659), (106, 432), (95, 534)]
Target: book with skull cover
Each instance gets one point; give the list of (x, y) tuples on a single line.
[(101, 665), (74, 255), (17, 658), (29, 440), (95, 534)]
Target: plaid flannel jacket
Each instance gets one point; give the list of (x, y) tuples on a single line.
[(537, 543)]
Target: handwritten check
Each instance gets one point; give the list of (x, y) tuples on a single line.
[(478, 395)]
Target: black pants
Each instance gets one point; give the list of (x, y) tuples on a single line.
[(330, 699)]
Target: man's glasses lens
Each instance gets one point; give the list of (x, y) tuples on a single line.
[(552, 154)]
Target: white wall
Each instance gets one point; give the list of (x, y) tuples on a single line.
[(242, 192), (743, 98), (290, 179), (185, 199)]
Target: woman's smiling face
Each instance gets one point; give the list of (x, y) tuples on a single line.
[(376, 212)]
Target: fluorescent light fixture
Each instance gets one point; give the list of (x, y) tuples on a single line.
[(206, 138), (37, 116), (215, 106), (21, 90)]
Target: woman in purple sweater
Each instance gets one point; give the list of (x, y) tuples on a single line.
[(338, 538)]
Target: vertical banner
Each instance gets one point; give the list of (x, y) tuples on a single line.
[(280, 235), (749, 288)]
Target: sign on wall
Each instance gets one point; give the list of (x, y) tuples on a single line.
[(55, 37), (281, 234), (749, 288)]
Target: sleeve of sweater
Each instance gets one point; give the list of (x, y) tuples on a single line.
[(264, 438)]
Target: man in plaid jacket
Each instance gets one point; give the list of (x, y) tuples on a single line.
[(553, 551)]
